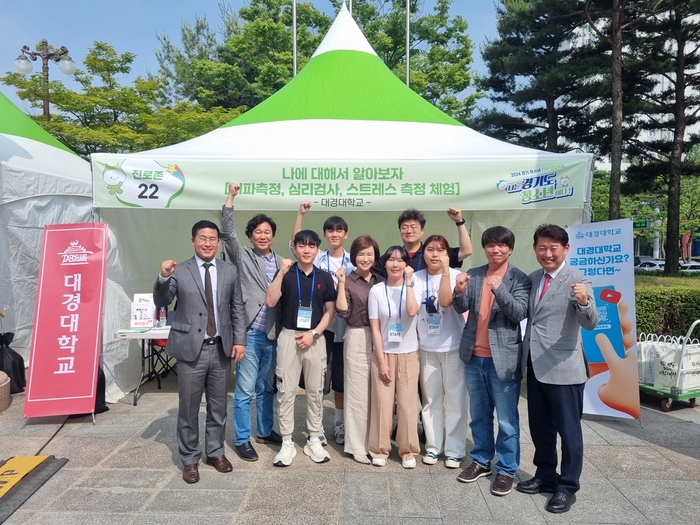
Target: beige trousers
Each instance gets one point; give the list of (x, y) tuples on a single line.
[(404, 388), (291, 361), (357, 357)]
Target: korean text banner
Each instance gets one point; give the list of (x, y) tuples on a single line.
[(602, 251), (513, 184), (65, 349)]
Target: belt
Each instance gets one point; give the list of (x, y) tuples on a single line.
[(212, 340)]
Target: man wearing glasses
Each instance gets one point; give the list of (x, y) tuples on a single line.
[(412, 228), (255, 372)]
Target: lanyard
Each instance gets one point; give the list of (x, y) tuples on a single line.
[(313, 282), (328, 261), (386, 290)]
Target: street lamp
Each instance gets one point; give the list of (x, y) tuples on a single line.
[(65, 64)]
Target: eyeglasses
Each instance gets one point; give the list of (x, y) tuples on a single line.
[(407, 228)]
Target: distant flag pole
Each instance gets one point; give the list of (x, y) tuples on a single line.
[(294, 35), (408, 40), (350, 7)]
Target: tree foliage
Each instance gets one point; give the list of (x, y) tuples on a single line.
[(250, 56), (531, 72), (106, 116)]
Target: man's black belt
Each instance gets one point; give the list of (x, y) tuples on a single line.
[(212, 340)]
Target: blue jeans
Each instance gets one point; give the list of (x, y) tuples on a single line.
[(487, 392), (255, 376)]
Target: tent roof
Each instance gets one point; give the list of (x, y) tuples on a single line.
[(329, 86), (15, 122), (345, 104)]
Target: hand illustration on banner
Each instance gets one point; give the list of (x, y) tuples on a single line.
[(144, 183), (621, 392)]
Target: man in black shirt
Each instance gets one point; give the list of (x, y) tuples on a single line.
[(306, 296), (412, 227)]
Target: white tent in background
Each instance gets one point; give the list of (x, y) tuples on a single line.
[(41, 182)]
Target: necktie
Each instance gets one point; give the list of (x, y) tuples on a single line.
[(211, 318), (547, 278)]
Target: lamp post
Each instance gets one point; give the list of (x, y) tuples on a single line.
[(65, 64)]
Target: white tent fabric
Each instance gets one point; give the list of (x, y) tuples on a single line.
[(42, 184)]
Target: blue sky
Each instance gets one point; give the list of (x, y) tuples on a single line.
[(131, 25)]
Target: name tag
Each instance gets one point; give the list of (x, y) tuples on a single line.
[(395, 332), (304, 317), (434, 322)]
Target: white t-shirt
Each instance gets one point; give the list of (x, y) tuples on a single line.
[(383, 299), (451, 323)]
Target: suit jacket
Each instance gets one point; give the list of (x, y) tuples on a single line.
[(509, 308), (189, 327), (553, 335), (253, 278)]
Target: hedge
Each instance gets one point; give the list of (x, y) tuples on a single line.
[(667, 310)]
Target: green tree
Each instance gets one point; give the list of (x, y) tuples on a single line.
[(440, 52), (531, 76), (667, 49), (250, 56), (610, 22), (106, 116)]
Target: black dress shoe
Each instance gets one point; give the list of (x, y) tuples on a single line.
[(561, 502), (246, 452), (535, 486), (273, 439)]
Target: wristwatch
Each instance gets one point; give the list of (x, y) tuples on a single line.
[(315, 334), (459, 223), (410, 284)]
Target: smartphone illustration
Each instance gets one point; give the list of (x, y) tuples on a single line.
[(606, 298)]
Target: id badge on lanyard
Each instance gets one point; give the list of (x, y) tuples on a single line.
[(434, 322), (304, 312), (304, 317), (395, 332)]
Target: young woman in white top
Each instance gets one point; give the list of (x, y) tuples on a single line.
[(441, 370), (392, 307)]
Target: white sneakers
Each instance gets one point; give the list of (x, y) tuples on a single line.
[(314, 449), (453, 462), (408, 463), (322, 437), (286, 454), (379, 462), (339, 433), (430, 458)]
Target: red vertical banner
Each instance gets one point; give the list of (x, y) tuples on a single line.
[(65, 350)]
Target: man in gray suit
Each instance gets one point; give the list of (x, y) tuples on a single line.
[(561, 302), (496, 296), (207, 332), (255, 373)]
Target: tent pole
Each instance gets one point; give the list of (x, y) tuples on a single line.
[(294, 35), (408, 40)]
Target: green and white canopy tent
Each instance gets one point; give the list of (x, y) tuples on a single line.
[(346, 134), (352, 138), (43, 182)]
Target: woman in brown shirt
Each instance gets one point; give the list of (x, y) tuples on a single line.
[(351, 305)]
